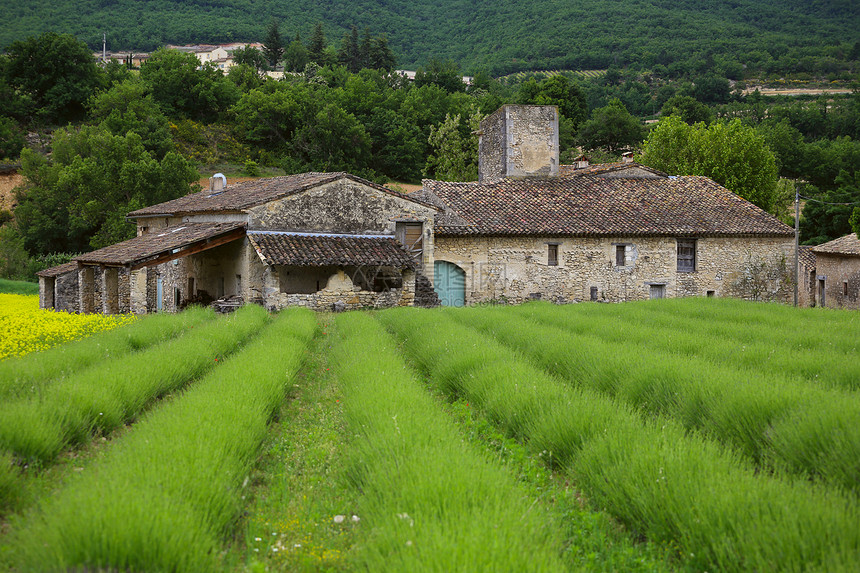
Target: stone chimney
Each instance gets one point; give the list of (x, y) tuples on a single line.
[(217, 183), (518, 141)]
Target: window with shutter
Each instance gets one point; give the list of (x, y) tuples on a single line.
[(552, 255), (619, 255), (686, 255)]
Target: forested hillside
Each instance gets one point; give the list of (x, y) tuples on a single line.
[(498, 36)]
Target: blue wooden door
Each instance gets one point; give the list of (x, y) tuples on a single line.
[(449, 282), (159, 295)]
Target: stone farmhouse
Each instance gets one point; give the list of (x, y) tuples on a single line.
[(837, 273), (528, 229)]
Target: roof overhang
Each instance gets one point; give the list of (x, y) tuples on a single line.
[(329, 249), (164, 245)]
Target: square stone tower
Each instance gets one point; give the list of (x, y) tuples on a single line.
[(518, 141)]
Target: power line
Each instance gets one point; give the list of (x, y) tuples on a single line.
[(826, 202)]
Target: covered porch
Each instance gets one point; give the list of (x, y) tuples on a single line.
[(326, 271)]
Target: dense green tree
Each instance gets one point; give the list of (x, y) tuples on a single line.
[(688, 108), (77, 200), (11, 139), (396, 146), (788, 147), (711, 90), (828, 216), (349, 55), (559, 91), (184, 88), (246, 78), (379, 55), (454, 146), (273, 45), (55, 74), (296, 56), (855, 221), (611, 129), (732, 154), (317, 46), (250, 56), (269, 118), (443, 73), (128, 108), (333, 140)]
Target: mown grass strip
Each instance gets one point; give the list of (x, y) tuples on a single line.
[(102, 398), (733, 339), (167, 495), (673, 486), (300, 487), (27, 375), (428, 502), (776, 422)]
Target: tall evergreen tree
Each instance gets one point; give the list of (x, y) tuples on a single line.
[(349, 53), (317, 45), (273, 45)]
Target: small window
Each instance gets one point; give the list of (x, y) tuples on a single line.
[(844, 288), (552, 255), (686, 255), (710, 294), (619, 255)]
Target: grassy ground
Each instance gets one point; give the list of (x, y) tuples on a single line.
[(304, 506), (299, 488), (302, 514), (18, 287)]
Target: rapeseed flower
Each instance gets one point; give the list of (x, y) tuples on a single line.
[(25, 328)]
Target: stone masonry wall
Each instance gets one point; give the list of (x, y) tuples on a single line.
[(515, 269), (343, 206), (341, 294), (66, 292), (519, 141), (836, 271)]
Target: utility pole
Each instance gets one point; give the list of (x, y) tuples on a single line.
[(796, 241), (104, 47)]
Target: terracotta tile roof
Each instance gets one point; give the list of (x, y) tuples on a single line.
[(597, 206), (58, 270), (806, 257), (600, 168), (157, 242), (847, 245), (315, 250), (238, 196)]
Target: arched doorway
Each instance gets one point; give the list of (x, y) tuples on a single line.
[(449, 282)]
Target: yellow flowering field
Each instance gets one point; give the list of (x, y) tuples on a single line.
[(25, 328)]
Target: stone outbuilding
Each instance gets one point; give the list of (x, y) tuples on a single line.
[(837, 273), (316, 239)]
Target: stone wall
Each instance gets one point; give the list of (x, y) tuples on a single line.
[(341, 294), (137, 291), (840, 274), (344, 207), (519, 141), (64, 293), (516, 269)]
